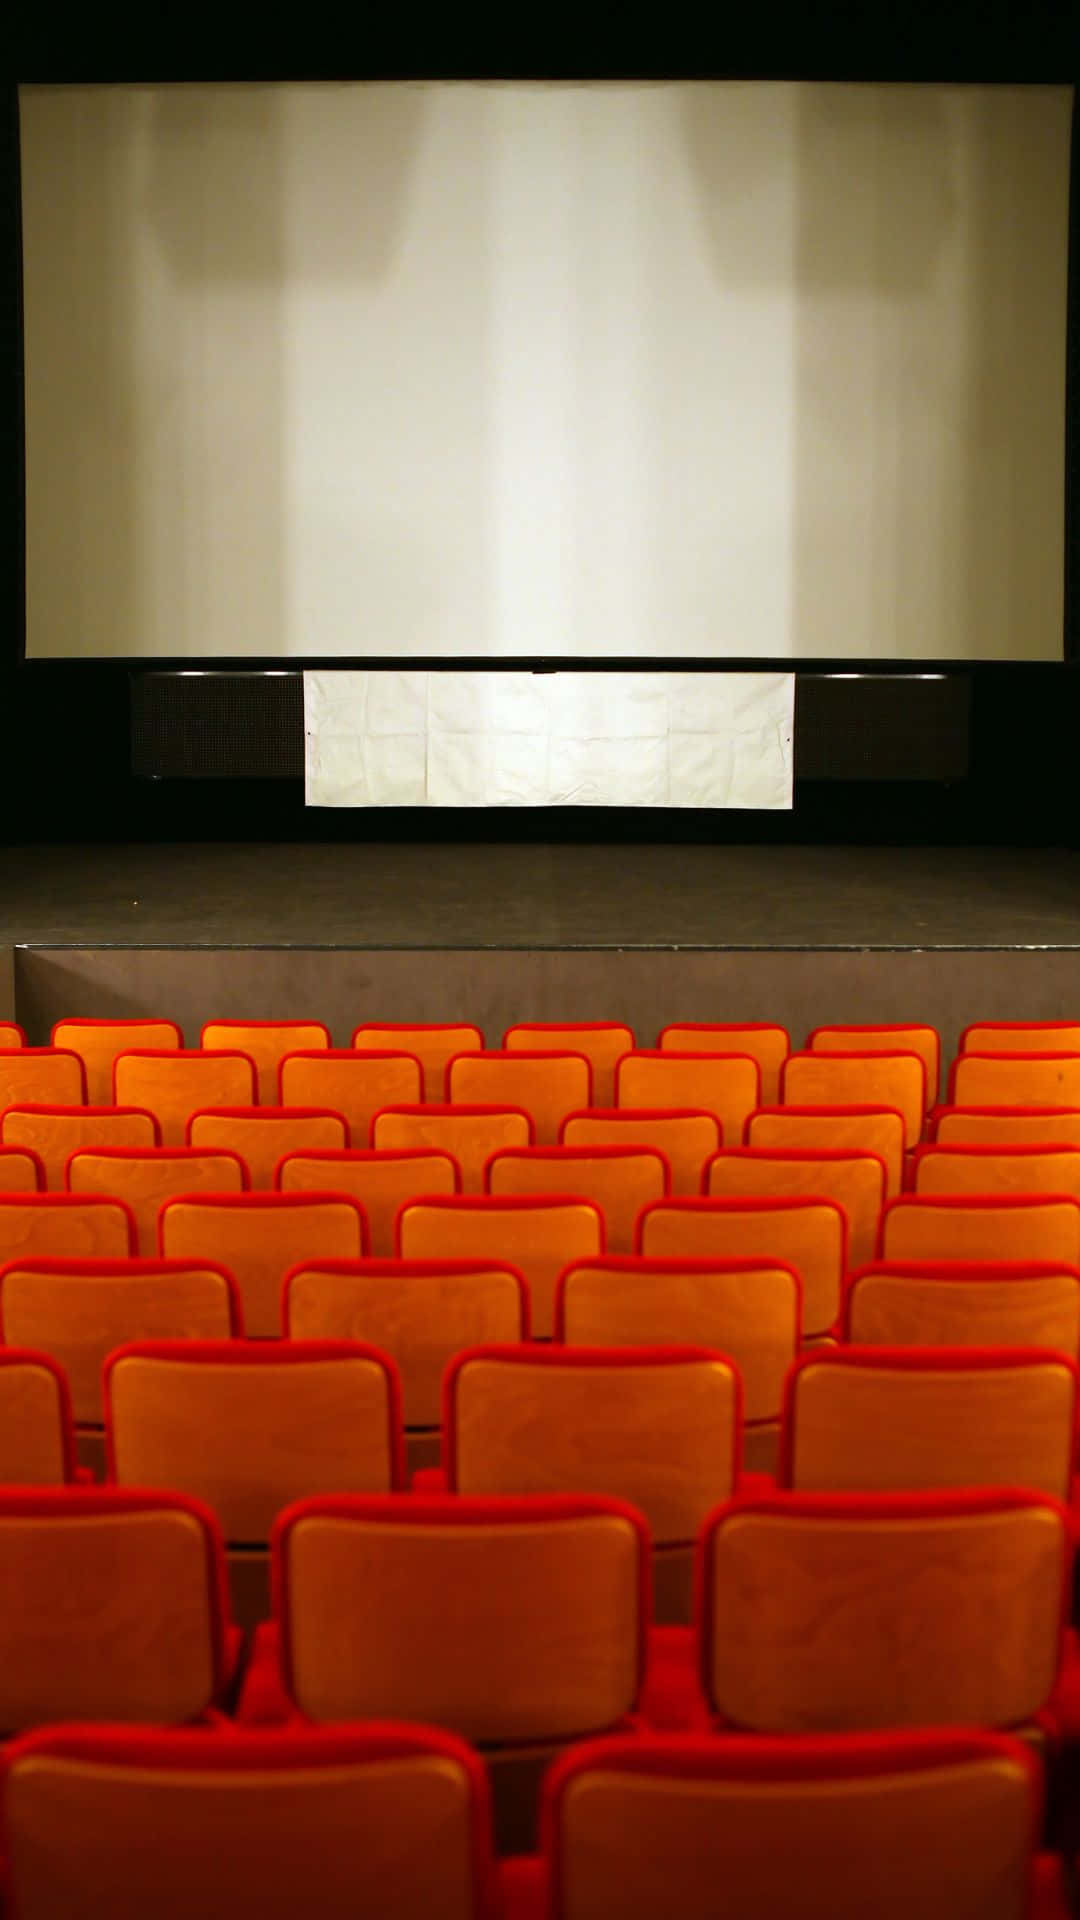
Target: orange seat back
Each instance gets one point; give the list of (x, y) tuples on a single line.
[(877, 1130), (686, 1137), (995, 1226), (619, 1180), (545, 1085), (41, 1076), (247, 1426), (953, 1303), (540, 1236), (259, 1236), (261, 1136), (877, 1079), (355, 1084), (1017, 1079), (1021, 1036), (37, 1442), (80, 1310), (546, 1596), (1006, 1126), (914, 1038), (991, 1168), (97, 1043), (266, 1042), (726, 1084), (55, 1133), (21, 1170), (11, 1035), (145, 1177), (433, 1044), (469, 1134), (381, 1179), (767, 1044), (856, 1181), (809, 1234), (173, 1086), (420, 1312), (603, 1042), (64, 1225)]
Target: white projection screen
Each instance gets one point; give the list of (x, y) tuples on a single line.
[(667, 371)]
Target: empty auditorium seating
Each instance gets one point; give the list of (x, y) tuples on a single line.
[(845, 1611), (726, 1084), (886, 1419), (846, 1078), (620, 1180), (249, 1426), (63, 1225), (145, 1177), (603, 1042), (21, 1170), (37, 1438), (112, 1606), (856, 1129), (266, 1042), (749, 1309), (1015, 1079), (540, 1235), (659, 1427), (767, 1044), (381, 1179), (810, 1234), (420, 1312), (259, 1236), (322, 1821), (57, 1132), (355, 1084), (545, 1085), (45, 1076), (97, 1043), (999, 1226), (685, 1136), (173, 1086), (471, 1134), (1021, 1036), (914, 1037), (943, 1824), (953, 1303), (991, 1167), (856, 1181), (261, 1136), (1006, 1126), (434, 1044)]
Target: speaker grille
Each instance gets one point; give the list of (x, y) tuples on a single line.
[(882, 726), (217, 726)]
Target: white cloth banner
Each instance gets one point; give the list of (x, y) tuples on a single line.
[(476, 739)]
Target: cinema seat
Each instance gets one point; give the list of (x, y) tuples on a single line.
[(175, 1085), (545, 1085), (914, 1037), (659, 1427), (266, 1042), (685, 1136), (21, 1170), (41, 1076), (262, 1136), (325, 1822), (749, 1309), (725, 1084), (992, 1226), (619, 1180), (37, 1435), (434, 1044), (943, 1824), (55, 1133), (98, 1042), (603, 1042), (539, 1235), (845, 1078), (1021, 1036), (892, 1419), (470, 1135), (355, 1084), (991, 1167), (809, 1234), (11, 1035), (64, 1225), (1006, 1126), (877, 1130), (517, 1623), (112, 1607), (247, 1427), (1015, 1080), (767, 1044), (840, 1612), (380, 1179), (80, 1310), (856, 1181), (953, 1303), (420, 1312), (145, 1177), (259, 1236)]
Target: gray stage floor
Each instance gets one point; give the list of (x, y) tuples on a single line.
[(539, 897)]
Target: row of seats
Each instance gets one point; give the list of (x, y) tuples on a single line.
[(395, 1819)]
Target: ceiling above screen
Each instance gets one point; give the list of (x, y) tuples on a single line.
[(652, 371)]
